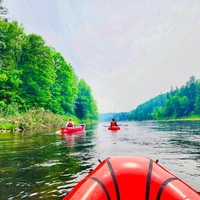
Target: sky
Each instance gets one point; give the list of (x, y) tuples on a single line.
[(127, 51)]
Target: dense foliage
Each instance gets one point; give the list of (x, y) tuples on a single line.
[(182, 102), (85, 105), (33, 76)]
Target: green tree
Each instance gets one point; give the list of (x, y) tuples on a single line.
[(10, 52), (197, 100), (38, 72), (64, 89), (184, 102), (3, 12), (85, 105), (33, 75), (190, 91)]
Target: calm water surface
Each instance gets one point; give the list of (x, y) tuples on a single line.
[(41, 165)]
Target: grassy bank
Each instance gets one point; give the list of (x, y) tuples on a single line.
[(188, 118), (33, 119)]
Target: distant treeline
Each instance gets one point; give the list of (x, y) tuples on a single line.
[(180, 103), (34, 75)]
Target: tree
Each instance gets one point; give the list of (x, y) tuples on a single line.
[(190, 90), (184, 102), (33, 75), (197, 100), (3, 12), (38, 72), (64, 89), (10, 52), (85, 105)]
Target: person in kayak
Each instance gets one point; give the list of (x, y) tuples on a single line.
[(113, 123), (70, 123)]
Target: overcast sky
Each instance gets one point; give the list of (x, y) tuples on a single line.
[(128, 51)]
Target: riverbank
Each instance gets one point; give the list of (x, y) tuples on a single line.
[(190, 118), (33, 119), (40, 119), (36, 119)]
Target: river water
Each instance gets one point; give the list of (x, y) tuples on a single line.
[(43, 164)]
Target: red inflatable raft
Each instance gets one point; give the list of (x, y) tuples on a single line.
[(76, 129), (114, 128), (131, 177)]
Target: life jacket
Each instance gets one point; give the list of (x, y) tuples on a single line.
[(113, 123), (70, 124)]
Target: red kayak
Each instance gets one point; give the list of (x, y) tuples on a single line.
[(131, 177), (114, 128), (75, 129)]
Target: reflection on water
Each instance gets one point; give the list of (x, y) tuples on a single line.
[(73, 140), (37, 165)]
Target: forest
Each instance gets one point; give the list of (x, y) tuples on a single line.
[(36, 78), (38, 87), (179, 103)]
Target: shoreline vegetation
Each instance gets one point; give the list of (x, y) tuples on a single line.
[(34, 119), (39, 88), (178, 104), (186, 118)]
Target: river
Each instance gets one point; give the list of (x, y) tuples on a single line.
[(43, 164)]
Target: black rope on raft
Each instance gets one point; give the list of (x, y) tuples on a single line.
[(149, 179), (99, 160), (157, 160), (102, 186), (113, 178), (163, 186)]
